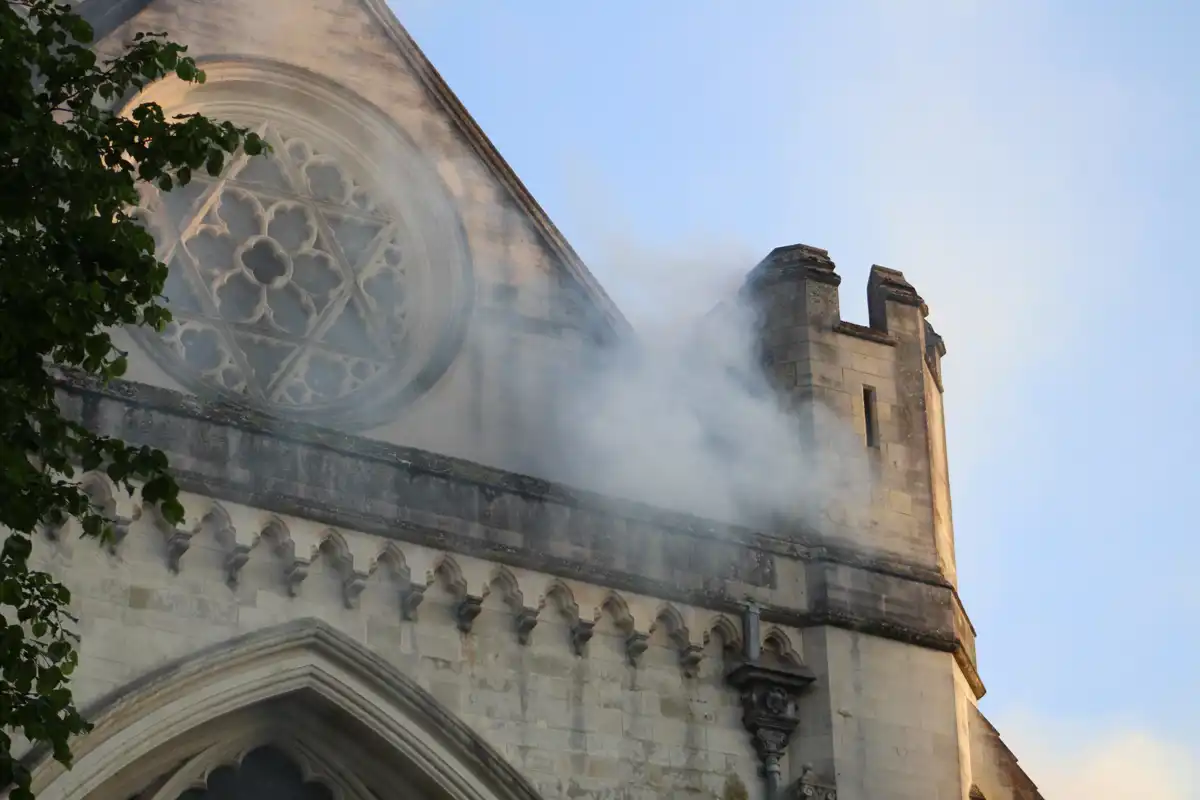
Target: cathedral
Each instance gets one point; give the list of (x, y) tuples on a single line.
[(384, 587)]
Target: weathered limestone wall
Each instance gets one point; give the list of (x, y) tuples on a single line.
[(440, 565), (521, 522), (596, 689), (892, 719), (880, 716), (820, 363), (939, 468), (879, 634), (529, 314)]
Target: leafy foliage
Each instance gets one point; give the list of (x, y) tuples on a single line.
[(74, 263)]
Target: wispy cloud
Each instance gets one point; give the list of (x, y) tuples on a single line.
[(1077, 759)]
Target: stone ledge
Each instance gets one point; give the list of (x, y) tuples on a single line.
[(870, 602), (233, 454), (864, 332)]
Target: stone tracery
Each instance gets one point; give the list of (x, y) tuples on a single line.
[(287, 276), (266, 773), (330, 280)]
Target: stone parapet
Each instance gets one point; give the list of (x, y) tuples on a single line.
[(519, 521)]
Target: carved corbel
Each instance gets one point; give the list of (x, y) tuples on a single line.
[(118, 525), (466, 610), (120, 529), (178, 540), (411, 595), (352, 586), (235, 559), (636, 643), (690, 656), (527, 619), (294, 573), (355, 558), (581, 634), (296, 548), (236, 553)]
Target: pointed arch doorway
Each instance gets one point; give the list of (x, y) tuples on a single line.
[(297, 712)]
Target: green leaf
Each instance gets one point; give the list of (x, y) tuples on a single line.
[(215, 162), (57, 651), (17, 547), (75, 263)]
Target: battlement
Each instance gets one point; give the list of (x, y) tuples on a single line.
[(882, 380), (802, 262), (783, 262)]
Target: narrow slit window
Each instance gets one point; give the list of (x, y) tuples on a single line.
[(870, 416)]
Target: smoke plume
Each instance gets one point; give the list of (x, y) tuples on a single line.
[(682, 415)]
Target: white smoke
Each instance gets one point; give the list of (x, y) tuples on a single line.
[(679, 414), (683, 415)]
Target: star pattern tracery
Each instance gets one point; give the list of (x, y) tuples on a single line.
[(287, 276)]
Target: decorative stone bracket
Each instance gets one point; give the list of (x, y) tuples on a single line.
[(466, 610), (806, 788), (769, 708), (526, 621), (770, 697)]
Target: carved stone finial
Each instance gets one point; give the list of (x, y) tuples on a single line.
[(527, 619), (769, 709), (466, 611)]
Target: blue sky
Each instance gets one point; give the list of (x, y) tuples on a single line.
[(1033, 168)]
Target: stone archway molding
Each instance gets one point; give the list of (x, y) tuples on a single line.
[(255, 668)]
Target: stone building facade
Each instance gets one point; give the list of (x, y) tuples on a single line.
[(357, 609)]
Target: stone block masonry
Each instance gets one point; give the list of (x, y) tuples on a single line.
[(387, 616), (575, 684), (402, 494)]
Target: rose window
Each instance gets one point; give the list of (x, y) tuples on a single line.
[(291, 282)]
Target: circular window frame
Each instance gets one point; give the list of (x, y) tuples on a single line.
[(366, 143)]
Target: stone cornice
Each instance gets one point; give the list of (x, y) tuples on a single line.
[(290, 468)]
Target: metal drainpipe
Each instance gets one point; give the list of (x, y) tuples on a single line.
[(751, 639)]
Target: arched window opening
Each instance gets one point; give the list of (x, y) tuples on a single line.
[(264, 774), (327, 280), (298, 711)]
